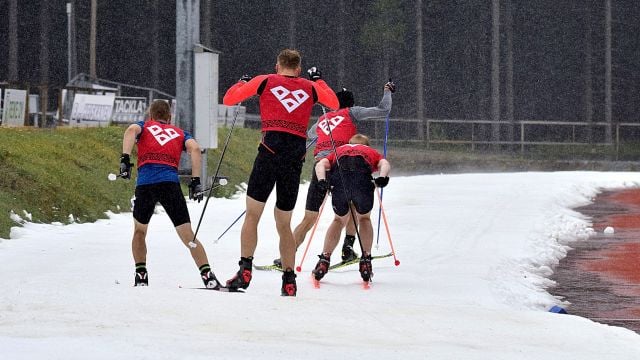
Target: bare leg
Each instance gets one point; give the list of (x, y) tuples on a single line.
[(300, 232), (287, 243), (366, 232), (332, 237), (351, 228), (186, 235), (138, 243), (249, 232)]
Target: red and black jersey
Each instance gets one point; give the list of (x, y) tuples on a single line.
[(160, 143), (370, 155), (286, 104), (337, 125)]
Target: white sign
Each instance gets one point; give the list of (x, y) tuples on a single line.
[(206, 99), (91, 110), (15, 105), (128, 110)]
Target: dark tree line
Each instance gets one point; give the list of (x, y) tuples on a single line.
[(552, 58)]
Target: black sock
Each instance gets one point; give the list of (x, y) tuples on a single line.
[(349, 240), (141, 267), (205, 268)]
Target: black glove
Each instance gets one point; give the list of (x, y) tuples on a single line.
[(323, 186), (195, 189), (391, 86), (125, 166), (314, 73), (246, 78), (381, 181)]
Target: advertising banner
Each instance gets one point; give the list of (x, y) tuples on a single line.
[(128, 110), (14, 107), (91, 110)]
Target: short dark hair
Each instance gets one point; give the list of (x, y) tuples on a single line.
[(160, 110), (345, 98), (289, 58)]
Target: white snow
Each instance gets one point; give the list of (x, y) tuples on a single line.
[(476, 253)]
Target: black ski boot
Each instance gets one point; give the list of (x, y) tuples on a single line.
[(322, 267), (365, 268), (289, 287), (141, 277), (243, 277), (347, 248), (208, 278)]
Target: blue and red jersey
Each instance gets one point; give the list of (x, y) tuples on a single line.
[(160, 147)]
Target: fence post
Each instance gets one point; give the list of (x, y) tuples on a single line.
[(522, 138), (428, 137), (617, 140), (473, 139)]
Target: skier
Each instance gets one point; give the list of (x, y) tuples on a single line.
[(160, 146), (351, 185), (286, 101), (339, 126)]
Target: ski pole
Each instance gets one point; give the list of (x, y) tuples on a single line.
[(384, 154), (386, 225), (221, 182), (192, 243), (245, 211), (344, 187), (230, 226), (315, 225)]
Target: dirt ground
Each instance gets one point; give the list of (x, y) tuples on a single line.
[(600, 277)]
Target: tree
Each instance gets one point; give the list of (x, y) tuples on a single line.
[(509, 80), (587, 72), (13, 40), (419, 72), (385, 31), (44, 58), (495, 69)]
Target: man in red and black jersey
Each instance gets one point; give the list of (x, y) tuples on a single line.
[(351, 182), (335, 128), (160, 147), (286, 101)]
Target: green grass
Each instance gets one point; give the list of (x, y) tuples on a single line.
[(54, 173)]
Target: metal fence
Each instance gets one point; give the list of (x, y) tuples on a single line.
[(475, 135)]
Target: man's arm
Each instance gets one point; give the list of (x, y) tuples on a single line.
[(129, 138), (193, 149), (321, 169), (326, 96), (243, 90), (363, 113), (384, 167)]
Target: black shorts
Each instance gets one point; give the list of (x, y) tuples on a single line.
[(279, 163), (357, 187), (168, 194), (314, 196)]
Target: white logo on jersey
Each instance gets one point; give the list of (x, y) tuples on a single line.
[(281, 93), (161, 135), (327, 125)]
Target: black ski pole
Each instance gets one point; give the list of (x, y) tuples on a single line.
[(245, 211), (344, 185), (215, 176)]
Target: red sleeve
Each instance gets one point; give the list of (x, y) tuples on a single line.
[(243, 90), (332, 158), (326, 96)]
